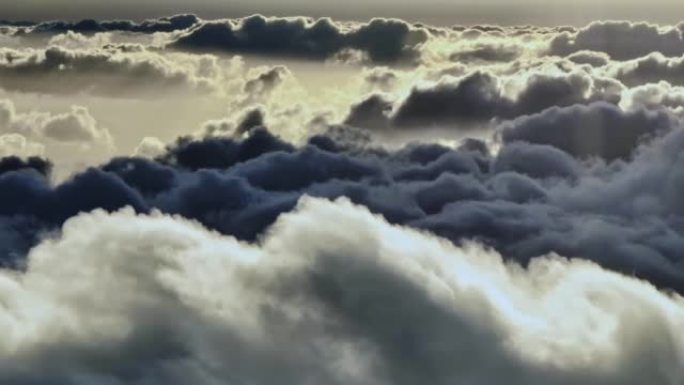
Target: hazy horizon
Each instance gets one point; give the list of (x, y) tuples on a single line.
[(436, 12)]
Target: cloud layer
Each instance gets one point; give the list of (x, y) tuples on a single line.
[(528, 199), (375, 202), (135, 299)]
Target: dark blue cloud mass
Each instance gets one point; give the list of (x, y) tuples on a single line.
[(532, 197)]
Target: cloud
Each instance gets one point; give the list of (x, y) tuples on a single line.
[(76, 40), (383, 40), (593, 58), (14, 164), (76, 126), (652, 68), (250, 119), (16, 144), (261, 82), (480, 97), (654, 96), (69, 138), (372, 112), (600, 129), (621, 40), (163, 24), (476, 97), (119, 298), (112, 71), (222, 152), (537, 161), (525, 200), (149, 147), (380, 77), (486, 53), (345, 254)]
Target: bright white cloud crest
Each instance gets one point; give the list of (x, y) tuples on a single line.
[(331, 294)]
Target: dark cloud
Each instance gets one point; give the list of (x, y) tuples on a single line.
[(163, 24), (652, 68), (476, 97), (222, 152), (526, 200), (250, 119), (537, 161), (383, 40), (600, 129), (13, 164), (543, 91), (480, 97), (17, 23), (261, 85), (622, 40)]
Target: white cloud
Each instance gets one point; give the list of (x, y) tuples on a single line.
[(75, 40), (18, 145), (149, 147), (58, 135), (120, 298)]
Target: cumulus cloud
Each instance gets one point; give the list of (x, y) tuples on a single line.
[(76, 40), (593, 58), (16, 144), (163, 24), (149, 147), (621, 40), (480, 97), (600, 129), (111, 71), (655, 95), (475, 97), (76, 127), (525, 200), (382, 40), (372, 112), (122, 298), (486, 53), (652, 68), (261, 82), (14, 163)]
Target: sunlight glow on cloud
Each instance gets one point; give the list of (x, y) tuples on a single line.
[(372, 303)]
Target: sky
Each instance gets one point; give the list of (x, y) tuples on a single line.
[(440, 12), (236, 193)]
